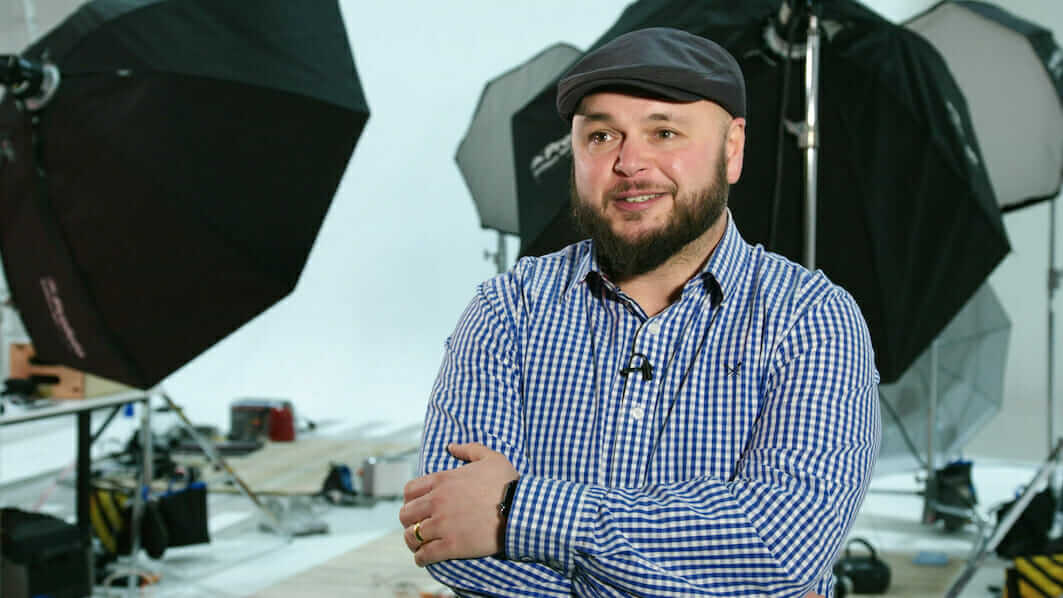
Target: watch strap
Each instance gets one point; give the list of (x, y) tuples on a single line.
[(506, 505)]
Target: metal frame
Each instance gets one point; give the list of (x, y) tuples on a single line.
[(82, 409)]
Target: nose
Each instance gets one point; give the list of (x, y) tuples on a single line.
[(632, 158)]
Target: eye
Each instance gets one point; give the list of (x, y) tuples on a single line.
[(666, 134), (598, 137)]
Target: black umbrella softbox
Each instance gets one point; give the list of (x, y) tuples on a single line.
[(906, 220), (172, 188)]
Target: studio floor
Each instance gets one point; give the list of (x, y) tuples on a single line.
[(362, 553)]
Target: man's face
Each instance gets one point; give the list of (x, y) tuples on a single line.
[(650, 176)]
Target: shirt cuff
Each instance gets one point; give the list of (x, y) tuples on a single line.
[(548, 518)]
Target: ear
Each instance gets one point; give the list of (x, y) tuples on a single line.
[(735, 148)]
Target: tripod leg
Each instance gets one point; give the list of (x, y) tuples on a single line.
[(976, 560), (930, 496), (216, 459), (1056, 531)]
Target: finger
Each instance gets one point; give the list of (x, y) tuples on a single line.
[(470, 451), (419, 486), (411, 541), (415, 510), (432, 551), (410, 536), (404, 517)]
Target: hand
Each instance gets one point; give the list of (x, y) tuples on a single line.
[(457, 509)]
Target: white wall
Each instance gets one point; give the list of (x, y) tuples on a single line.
[(401, 250)]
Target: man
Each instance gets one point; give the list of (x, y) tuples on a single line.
[(663, 410)]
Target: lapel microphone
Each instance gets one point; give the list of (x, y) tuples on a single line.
[(644, 367)]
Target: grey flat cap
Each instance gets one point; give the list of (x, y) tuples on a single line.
[(662, 62)]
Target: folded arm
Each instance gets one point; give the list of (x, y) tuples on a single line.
[(475, 398), (774, 529), (771, 530)]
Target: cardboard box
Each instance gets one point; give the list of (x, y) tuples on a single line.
[(69, 383)]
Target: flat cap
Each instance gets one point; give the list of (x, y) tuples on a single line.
[(661, 62)]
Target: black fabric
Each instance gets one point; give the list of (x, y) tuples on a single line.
[(955, 489), (906, 219), (1029, 534), (154, 534), (41, 555), (26, 536), (189, 157), (185, 515), (670, 63)]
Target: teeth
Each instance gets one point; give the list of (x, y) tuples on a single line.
[(640, 198)]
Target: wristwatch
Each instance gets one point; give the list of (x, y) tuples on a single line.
[(506, 505)]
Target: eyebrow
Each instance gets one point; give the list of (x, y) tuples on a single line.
[(605, 116)]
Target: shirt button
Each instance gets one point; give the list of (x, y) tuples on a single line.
[(653, 328), (526, 559), (637, 412)]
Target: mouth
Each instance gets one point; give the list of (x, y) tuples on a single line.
[(636, 200), (640, 198)]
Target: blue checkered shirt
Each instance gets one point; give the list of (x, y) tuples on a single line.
[(735, 468)]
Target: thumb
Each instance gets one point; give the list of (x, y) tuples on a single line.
[(470, 451)]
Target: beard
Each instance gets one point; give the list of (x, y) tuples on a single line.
[(621, 258)]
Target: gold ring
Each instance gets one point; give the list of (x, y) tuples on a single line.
[(417, 531)]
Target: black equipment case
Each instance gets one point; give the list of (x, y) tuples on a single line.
[(41, 555)]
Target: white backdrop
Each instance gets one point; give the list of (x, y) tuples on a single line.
[(401, 250)]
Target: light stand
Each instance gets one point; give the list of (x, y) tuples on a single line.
[(1053, 284), (1054, 275), (139, 498), (1051, 470), (499, 256), (807, 133), (930, 489), (808, 138)]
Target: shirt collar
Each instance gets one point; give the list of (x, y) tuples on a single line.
[(724, 265), (586, 265), (720, 271)]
